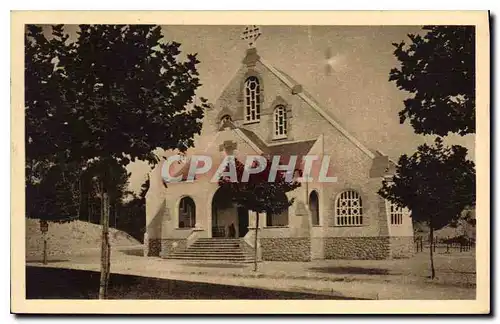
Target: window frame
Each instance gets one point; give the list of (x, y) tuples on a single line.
[(316, 215), (351, 219), (395, 213), (180, 210), (252, 115), (276, 133)]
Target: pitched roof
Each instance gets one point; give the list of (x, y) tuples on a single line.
[(255, 139), (287, 80), (296, 148)]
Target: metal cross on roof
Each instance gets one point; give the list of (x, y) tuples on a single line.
[(250, 34)]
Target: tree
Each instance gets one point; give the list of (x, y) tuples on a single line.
[(122, 92), (133, 214), (42, 99), (258, 193), (49, 182), (119, 181), (436, 183), (438, 69)]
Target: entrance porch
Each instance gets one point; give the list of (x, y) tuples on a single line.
[(228, 219)]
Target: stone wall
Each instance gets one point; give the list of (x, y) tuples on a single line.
[(154, 247), (286, 249), (357, 248), (402, 246), (163, 247), (167, 246)]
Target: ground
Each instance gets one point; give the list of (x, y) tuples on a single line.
[(360, 279), (82, 284)]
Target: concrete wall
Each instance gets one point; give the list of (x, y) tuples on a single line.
[(402, 246), (201, 192), (404, 229), (317, 243)]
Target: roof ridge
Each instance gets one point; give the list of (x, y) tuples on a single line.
[(316, 106)]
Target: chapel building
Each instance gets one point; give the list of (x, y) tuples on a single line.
[(263, 111)]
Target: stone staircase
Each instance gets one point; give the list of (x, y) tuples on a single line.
[(215, 249)]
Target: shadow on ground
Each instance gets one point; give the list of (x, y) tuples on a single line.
[(133, 251), (53, 283), (352, 270), (215, 265), (39, 260)]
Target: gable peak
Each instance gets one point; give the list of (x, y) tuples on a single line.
[(251, 57)]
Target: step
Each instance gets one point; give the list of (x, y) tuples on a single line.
[(214, 249), (205, 248), (217, 243), (207, 257), (219, 239), (200, 259), (215, 246), (211, 245), (212, 252), (212, 257)]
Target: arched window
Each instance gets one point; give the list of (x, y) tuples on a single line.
[(252, 99), (395, 212), (349, 209), (187, 213), (280, 123), (314, 207), (226, 118), (225, 121)]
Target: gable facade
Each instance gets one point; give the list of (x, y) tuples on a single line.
[(263, 111)]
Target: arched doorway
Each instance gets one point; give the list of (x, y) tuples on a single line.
[(228, 220), (314, 207)]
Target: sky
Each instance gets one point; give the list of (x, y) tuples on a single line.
[(356, 93)]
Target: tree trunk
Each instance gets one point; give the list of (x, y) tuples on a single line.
[(105, 246), (44, 228), (45, 260), (91, 210), (256, 241), (80, 197), (115, 213), (431, 248)]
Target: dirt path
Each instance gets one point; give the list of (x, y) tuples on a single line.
[(396, 279)]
